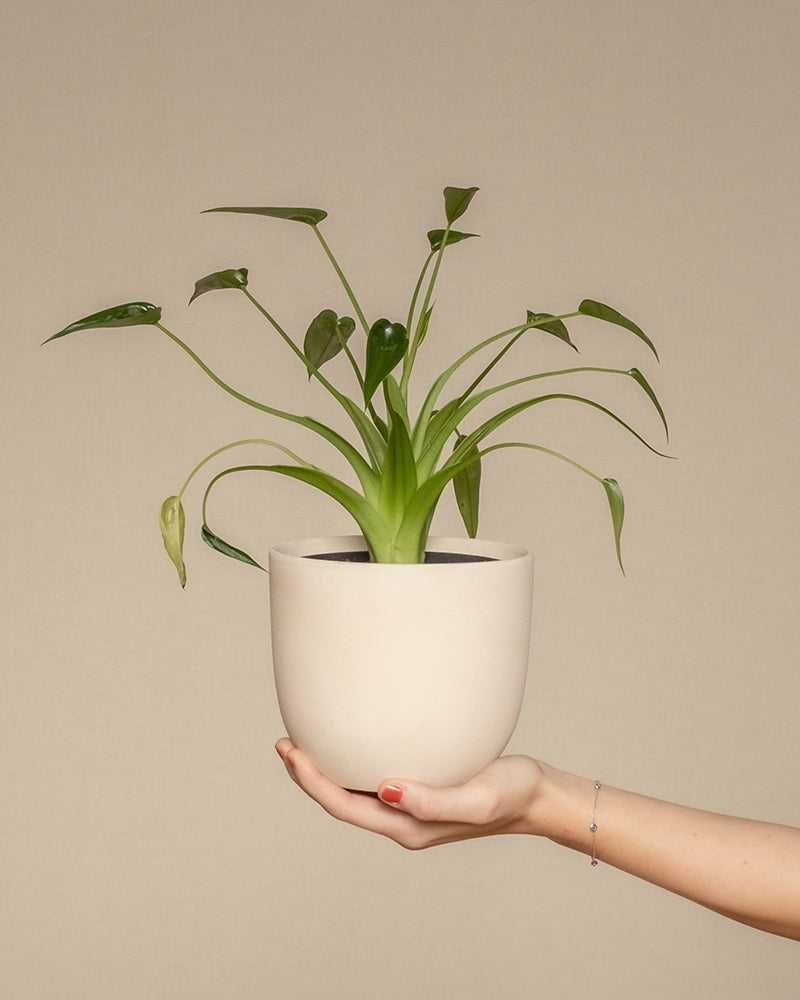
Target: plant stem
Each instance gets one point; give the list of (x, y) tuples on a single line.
[(361, 317), (414, 346), (373, 443), (360, 466), (417, 288), (238, 444), (546, 451)]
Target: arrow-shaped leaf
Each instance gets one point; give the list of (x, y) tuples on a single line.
[(219, 545), (326, 336), (231, 278), (128, 314), (456, 202), (616, 502), (637, 377), (172, 522), (467, 486), (386, 345), (437, 236), (310, 216), (590, 308), (551, 325)]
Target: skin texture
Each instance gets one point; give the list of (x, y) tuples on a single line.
[(746, 870)]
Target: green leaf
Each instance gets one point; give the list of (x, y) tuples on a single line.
[(172, 521), (490, 425), (616, 502), (424, 324), (386, 345), (310, 216), (467, 486), (551, 325), (611, 486), (219, 545), (128, 314), (396, 408), (232, 278), (326, 336), (345, 327), (399, 473), (637, 376), (590, 308), (436, 236), (456, 202)]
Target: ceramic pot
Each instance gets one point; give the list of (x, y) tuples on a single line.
[(407, 671)]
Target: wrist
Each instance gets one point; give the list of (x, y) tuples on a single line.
[(563, 809)]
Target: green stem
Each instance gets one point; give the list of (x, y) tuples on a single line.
[(413, 304), (455, 411), (424, 417), (546, 451), (310, 368), (360, 466), (373, 443), (414, 346), (365, 515), (426, 411), (361, 317), (500, 418), (239, 444)]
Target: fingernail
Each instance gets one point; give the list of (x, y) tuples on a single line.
[(280, 753), (392, 793)]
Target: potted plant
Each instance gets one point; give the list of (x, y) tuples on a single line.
[(434, 690)]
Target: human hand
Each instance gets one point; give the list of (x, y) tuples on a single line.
[(499, 799)]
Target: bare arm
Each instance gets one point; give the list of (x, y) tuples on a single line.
[(744, 869)]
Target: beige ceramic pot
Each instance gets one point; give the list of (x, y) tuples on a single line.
[(414, 671)]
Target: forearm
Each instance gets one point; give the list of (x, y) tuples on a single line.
[(744, 869)]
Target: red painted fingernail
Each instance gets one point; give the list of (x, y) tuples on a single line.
[(392, 793)]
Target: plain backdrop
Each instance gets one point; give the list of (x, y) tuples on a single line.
[(642, 153)]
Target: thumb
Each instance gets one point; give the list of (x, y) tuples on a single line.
[(467, 803)]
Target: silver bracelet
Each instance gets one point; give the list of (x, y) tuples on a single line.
[(593, 824)]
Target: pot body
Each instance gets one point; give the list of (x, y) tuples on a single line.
[(406, 671)]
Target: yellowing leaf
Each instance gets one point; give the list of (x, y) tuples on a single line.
[(172, 522)]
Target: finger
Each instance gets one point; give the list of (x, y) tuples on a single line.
[(469, 803), (485, 800), (357, 808)]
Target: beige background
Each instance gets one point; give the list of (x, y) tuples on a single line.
[(643, 153)]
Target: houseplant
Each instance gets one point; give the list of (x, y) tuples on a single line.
[(401, 462)]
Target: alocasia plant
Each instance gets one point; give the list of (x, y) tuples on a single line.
[(398, 458)]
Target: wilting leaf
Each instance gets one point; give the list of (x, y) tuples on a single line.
[(456, 201), (554, 326), (435, 237), (467, 486), (386, 345), (225, 548), (326, 336), (637, 376), (232, 278), (590, 308), (172, 521), (616, 502), (310, 216), (128, 314)]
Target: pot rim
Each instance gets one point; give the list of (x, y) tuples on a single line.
[(495, 552)]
